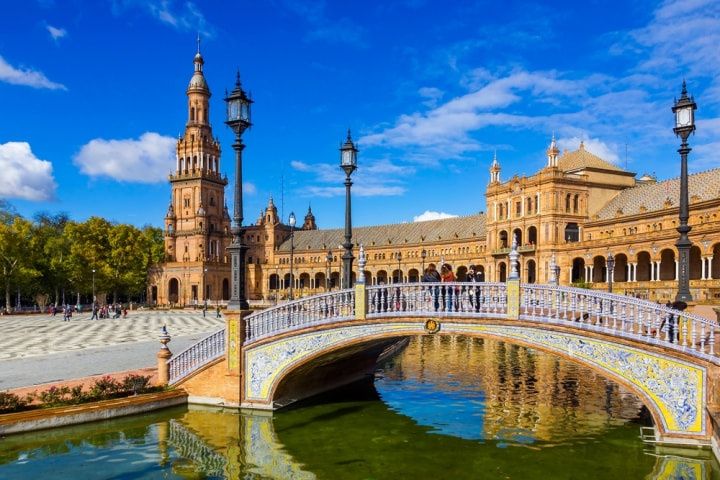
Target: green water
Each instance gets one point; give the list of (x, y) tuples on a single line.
[(444, 408)]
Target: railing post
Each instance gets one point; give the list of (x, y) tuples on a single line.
[(163, 368), (360, 301), (512, 285)]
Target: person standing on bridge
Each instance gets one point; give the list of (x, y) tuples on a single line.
[(431, 275), (447, 275), (473, 292)]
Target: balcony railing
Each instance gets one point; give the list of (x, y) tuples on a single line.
[(506, 250)]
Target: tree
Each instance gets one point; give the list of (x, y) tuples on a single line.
[(15, 263), (51, 242)]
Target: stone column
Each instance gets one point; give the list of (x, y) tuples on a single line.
[(677, 270)]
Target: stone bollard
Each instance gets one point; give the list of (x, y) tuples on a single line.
[(163, 369)]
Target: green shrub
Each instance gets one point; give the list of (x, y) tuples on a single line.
[(9, 402), (135, 384), (104, 388)]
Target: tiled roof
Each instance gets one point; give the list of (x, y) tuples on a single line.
[(581, 158), (704, 185), (431, 231)]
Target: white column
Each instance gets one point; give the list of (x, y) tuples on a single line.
[(652, 271), (586, 274), (634, 272), (627, 274), (591, 272), (708, 270), (677, 269), (538, 202), (657, 271), (702, 273)]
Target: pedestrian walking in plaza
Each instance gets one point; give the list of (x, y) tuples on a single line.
[(473, 292), (217, 312), (94, 312)]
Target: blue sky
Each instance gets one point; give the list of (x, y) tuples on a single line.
[(93, 97)]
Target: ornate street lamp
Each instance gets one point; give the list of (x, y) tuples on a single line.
[(329, 259), (684, 110), (291, 222), (399, 258), (94, 297), (205, 287), (238, 118), (348, 162), (423, 255), (610, 270)]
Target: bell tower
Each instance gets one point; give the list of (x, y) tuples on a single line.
[(197, 226)]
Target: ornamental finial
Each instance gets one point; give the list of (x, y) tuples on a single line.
[(237, 78), (198, 43), (362, 259)]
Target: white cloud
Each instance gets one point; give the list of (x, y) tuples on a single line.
[(376, 178), (23, 174), (300, 166), (432, 215), (181, 15), (26, 76), (592, 145), (431, 95), (249, 188), (148, 159), (56, 33)]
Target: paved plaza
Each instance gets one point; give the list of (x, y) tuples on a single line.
[(38, 349)]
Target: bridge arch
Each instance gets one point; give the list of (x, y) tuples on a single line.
[(670, 388)]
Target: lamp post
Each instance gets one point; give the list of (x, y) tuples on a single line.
[(399, 258), (610, 270), (291, 222), (238, 118), (348, 162), (329, 259), (423, 255), (684, 110), (94, 297)]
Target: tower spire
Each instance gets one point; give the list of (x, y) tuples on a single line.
[(198, 43), (495, 169), (552, 153)]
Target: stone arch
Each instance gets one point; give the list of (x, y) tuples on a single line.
[(304, 280), (503, 239), (532, 235), (274, 281), (502, 272), (480, 273), (334, 279), (519, 233), (620, 270), (413, 275), (599, 273), (673, 411), (578, 270), (381, 277), (461, 273), (320, 280), (643, 267), (397, 276), (715, 263), (695, 270), (572, 232), (531, 269), (667, 264), (173, 290)]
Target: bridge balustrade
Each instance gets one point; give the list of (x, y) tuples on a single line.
[(621, 316), (611, 314), (302, 313), (197, 355), (449, 299)]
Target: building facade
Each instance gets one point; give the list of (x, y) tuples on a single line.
[(572, 213)]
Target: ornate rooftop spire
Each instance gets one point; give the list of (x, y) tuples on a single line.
[(495, 169), (552, 153)]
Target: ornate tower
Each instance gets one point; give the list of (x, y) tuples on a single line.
[(309, 223), (495, 170), (197, 225), (552, 154)]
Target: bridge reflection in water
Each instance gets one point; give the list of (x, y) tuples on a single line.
[(449, 406)]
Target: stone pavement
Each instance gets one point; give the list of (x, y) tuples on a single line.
[(33, 335), (41, 349)]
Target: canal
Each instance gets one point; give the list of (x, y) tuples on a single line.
[(442, 408)]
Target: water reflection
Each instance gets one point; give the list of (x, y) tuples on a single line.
[(444, 408), (487, 389)]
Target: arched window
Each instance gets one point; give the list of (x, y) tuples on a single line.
[(192, 114), (567, 203), (576, 203)]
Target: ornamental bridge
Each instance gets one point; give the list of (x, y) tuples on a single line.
[(271, 358)]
